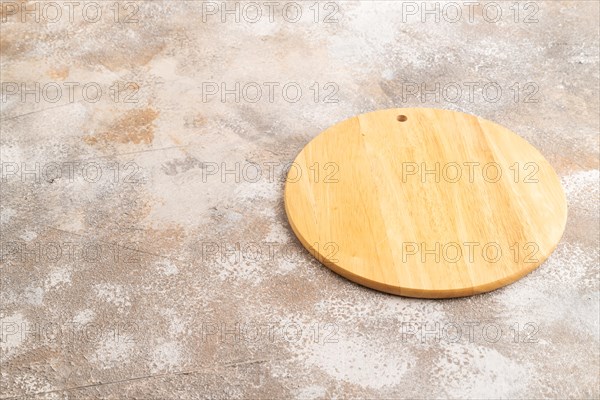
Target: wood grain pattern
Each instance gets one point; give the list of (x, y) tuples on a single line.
[(425, 203)]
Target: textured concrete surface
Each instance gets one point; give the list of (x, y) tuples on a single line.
[(132, 267)]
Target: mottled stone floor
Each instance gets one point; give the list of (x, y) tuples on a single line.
[(145, 248)]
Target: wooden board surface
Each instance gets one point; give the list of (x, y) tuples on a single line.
[(425, 203)]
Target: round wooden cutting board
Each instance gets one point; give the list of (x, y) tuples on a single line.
[(425, 203)]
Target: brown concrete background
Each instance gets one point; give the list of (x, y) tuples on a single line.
[(130, 285)]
